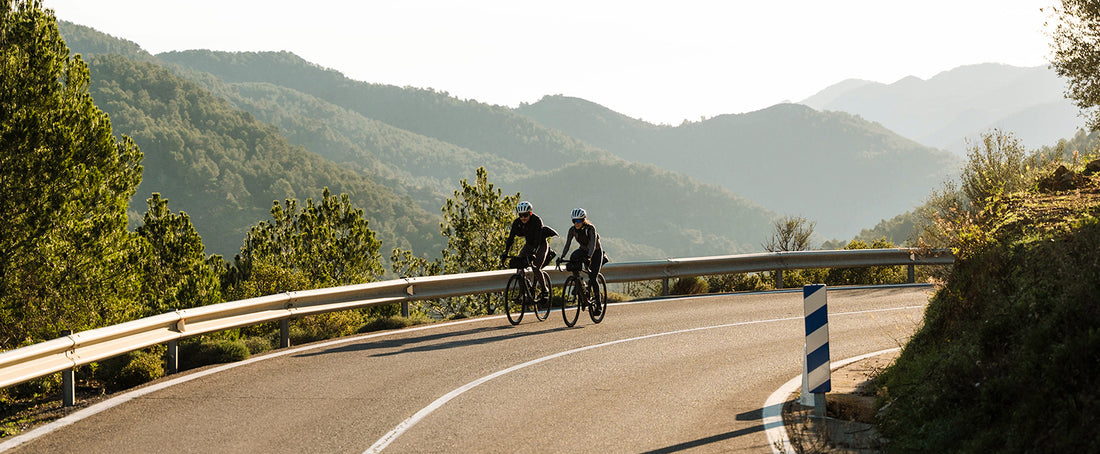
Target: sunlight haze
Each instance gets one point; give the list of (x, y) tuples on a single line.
[(662, 62)]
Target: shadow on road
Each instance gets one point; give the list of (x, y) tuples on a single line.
[(708, 440), (411, 342)]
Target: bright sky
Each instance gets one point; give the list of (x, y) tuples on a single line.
[(662, 62)]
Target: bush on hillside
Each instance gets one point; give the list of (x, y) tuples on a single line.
[(1008, 358), (691, 285)]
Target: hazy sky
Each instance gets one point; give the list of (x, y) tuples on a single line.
[(659, 61)]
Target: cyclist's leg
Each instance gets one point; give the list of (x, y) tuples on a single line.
[(537, 255), (594, 270), (594, 267), (540, 258)]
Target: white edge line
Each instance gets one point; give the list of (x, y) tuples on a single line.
[(92, 410), (126, 397), (773, 407), (407, 424)]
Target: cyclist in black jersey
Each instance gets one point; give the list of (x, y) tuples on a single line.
[(529, 226), (588, 242)]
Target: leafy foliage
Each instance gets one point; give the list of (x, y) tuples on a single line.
[(476, 222), (328, 243), (68, 259), (997, 166), (1076, 50), (791, 233)]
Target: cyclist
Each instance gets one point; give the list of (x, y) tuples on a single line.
[(588, 242), (529, 226)]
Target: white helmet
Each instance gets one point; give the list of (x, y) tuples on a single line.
[(579, 213), (523, 207)]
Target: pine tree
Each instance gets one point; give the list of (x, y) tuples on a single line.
[(176, 274), (68, 260)]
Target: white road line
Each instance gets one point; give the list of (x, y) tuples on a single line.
[(773, 407), (123, 398), (407, 424), (92, 410)]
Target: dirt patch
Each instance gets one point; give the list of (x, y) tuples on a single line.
[(850, 411)]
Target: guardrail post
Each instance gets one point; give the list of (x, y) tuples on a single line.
[(172, 357), (912, 273), (816, 380), (284, 333), (778, 274), (405, 309), (68, 382), (664, 286)]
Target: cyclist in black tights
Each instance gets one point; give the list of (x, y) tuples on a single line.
[(588, 242), (529, 226)]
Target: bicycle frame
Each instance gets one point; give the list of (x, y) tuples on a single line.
[(516, 302)]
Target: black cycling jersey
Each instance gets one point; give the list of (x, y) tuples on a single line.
[(587, 238), (530, 230)]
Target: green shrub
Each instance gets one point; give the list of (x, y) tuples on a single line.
[(330, 325), (223, 351), (997, 166), (141, 367), (198, 352), (724, 283), (258, 344), (1010, 337), (692, 285), (385, 323)]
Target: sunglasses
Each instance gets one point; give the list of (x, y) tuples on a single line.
[(523, 215), (577, 221)]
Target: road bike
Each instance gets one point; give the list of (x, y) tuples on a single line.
[(519, 293), (578, 294)]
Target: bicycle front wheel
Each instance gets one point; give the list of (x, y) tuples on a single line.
[(514, 294), (570, 301), (599, 300), (542, 308)]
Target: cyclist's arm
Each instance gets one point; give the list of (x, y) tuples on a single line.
[(593, 240), (568, 241), (511, 238)]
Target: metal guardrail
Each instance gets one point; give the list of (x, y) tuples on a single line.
[(66, 353)]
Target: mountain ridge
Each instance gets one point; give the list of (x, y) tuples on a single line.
[(957, 105)]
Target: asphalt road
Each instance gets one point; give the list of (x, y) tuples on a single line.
[(658, 376)]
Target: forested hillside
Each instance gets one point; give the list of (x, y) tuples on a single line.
[(711, 219), (836, 169), (419, 168), (224, 167), (466, 123)]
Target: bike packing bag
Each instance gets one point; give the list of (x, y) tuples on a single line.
[(518, 262), (549, 257)]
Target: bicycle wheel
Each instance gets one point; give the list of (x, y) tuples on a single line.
[(514, 295), (542, 308), (570, 301), (599, 300)]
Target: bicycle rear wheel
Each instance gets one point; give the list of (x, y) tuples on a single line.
[(542, 308), (599, 300), (570, 301), (514, 294)]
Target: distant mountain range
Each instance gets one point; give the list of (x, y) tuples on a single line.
[(227, 133), (956, 105)]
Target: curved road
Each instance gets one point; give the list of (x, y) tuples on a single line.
[(658, 376)]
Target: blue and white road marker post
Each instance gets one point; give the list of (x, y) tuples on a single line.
[(816, 379)]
